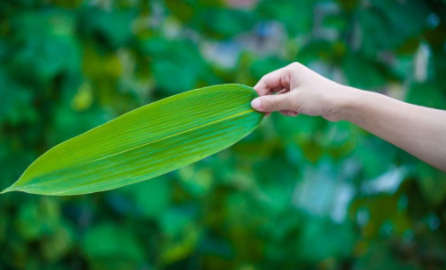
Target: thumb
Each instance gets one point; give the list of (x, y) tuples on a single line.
[(273, 103)]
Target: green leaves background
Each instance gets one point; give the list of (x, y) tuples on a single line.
[(296, 194)]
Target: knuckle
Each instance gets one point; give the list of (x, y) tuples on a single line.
[(295, 65), (287, 72), (266, 80), (286, 76), (271, 103)]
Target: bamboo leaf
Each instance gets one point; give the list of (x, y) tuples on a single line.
[(145, 143)]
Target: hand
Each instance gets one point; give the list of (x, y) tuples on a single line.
[(300, 90), (418, 130)]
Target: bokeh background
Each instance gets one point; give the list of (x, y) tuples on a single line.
[(298, 193)]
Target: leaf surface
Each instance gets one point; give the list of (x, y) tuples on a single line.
[(145, 143)]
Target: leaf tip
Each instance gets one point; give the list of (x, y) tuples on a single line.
[(6, 190)]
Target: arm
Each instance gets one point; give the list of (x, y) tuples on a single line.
[(418, 130)]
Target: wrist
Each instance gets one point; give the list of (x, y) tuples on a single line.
[(351, 102)]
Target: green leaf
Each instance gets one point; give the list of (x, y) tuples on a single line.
[(145, 143)]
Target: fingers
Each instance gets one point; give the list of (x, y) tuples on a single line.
[(271, 103), (283, 91), (285, 112), (289, 112), (280, 79), (272, 82), (277, 81)]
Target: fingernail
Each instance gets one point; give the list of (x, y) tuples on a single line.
[(256, 104)]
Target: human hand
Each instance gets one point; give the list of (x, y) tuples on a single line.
[(418, 130), (295, 89)]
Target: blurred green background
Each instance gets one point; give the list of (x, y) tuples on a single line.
[(298, 193)]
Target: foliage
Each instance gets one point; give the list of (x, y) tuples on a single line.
[(145, 143), (298, 193)]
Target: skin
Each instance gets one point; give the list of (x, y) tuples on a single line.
[(295, 89)]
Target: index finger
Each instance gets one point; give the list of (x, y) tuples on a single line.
[(271, 82)]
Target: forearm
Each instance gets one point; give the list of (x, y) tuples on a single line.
[(418, 130)]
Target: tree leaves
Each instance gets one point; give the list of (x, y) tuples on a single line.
[(145, 143)]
